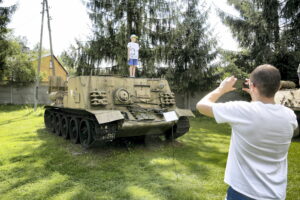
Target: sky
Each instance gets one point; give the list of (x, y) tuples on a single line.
[(70, 21)]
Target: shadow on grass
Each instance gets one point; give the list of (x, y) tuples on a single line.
[(16, 119), (297, 139), (12, 108), (123, 169)]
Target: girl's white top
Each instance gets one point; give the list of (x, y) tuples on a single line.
[(133, 50)]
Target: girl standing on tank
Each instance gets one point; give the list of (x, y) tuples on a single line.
[(133, 54)]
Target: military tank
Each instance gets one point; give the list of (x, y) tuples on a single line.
[(86, 109), (289, 96)]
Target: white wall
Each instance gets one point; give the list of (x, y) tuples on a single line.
[(23, 95)]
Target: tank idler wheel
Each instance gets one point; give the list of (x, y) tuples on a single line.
[(65, 127), (52, 122), (74, 130), (297, 132), (47, 119), (86, 133), (182, 126), (57, 124)]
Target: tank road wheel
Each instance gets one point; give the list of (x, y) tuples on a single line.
[(74, 130), (182, 127), (86, 133), (57, 124), (52, 122), (64, 127), (47, 119)]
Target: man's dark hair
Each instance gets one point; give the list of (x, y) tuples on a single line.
[(266, 78)]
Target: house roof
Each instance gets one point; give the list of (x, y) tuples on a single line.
[(46, 55)]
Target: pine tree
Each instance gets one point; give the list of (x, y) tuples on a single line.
[(113, 23), (5, 14), (190, 51), (292, 24), (261, 30)]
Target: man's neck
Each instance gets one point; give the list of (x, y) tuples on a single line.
[(264, 100)]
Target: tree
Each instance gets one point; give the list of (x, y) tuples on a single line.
[(5, 14), (35, 51), (190, 51), (262, 33), (291, 15), (18, 62), (68, 59), (228, 67), (113, 23)]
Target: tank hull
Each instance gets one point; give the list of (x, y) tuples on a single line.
[(291, 99), (101, 108)]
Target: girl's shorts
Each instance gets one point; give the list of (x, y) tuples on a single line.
[(133, 62)]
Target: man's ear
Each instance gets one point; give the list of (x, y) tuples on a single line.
[(255, 90)]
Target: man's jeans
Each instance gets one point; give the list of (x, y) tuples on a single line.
[(234, 195)]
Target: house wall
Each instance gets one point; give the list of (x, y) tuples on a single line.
[(47, 71)]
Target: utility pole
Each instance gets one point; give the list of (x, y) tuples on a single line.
[(50, 38), (37, 81)]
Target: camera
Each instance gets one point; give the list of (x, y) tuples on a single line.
[(241, 83)]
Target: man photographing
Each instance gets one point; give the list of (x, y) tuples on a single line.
[(261, 135)]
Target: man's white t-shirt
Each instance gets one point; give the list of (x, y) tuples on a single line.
[(133, 50), (261, 136)]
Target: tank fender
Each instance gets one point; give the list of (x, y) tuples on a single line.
[(184, 113), (105, 116)]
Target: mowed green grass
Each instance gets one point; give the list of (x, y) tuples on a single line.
[(35, 164)]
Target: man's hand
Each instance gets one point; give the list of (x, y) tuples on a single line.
[(247, 89), (204, 106), (227, 84)]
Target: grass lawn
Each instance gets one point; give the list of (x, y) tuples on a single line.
[(35, 164)]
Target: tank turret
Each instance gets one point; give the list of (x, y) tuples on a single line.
[(97, 108)]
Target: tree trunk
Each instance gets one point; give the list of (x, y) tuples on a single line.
[(187, 104)]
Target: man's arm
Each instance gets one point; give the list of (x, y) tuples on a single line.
[(204, 106)]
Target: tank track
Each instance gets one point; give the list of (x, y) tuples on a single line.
[(78, 125), (182, 126)]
